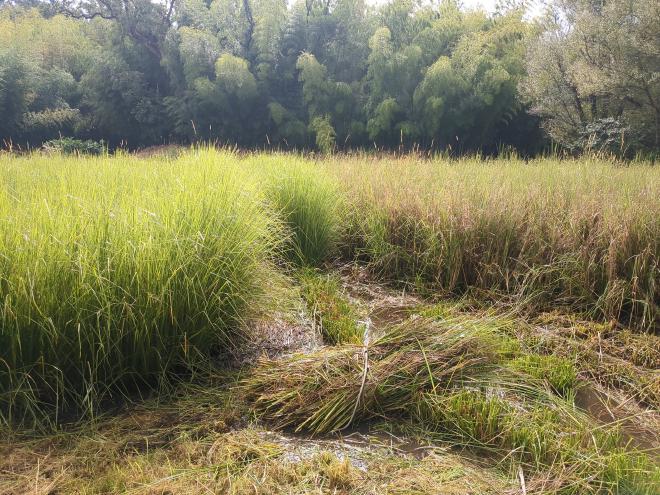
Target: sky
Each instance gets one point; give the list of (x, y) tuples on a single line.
[(489, 5)]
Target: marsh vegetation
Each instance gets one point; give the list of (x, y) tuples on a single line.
[(501, 316)]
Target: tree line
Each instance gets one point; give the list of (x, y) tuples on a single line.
[(332, 74)]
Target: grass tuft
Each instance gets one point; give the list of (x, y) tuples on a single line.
[(309, 202), (331, 309), (558, 372), (116, 272)]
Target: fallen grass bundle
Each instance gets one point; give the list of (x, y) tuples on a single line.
[(450, 381), (325, 391), (115, 272)]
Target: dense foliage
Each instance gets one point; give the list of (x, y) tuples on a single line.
[(331, 74)]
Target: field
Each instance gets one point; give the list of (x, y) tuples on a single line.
[(216, 322)]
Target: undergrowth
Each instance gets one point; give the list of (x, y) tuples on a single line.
[(336, 317)]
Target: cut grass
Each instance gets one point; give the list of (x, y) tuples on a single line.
[(453, 381), (197, 442)]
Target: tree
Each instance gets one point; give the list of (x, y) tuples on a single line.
[(331, 102), (325, 134), (595, 70), (14, 87), (145, 22), (41, 62)]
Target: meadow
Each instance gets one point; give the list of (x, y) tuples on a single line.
[(125, 280)]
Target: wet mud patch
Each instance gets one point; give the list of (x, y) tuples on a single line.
[(639, 427), (279, 336)]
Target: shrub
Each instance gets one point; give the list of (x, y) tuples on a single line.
[(71, 146)]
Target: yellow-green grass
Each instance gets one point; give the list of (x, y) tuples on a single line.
[(330, 308), (308, 201), (115, 272)]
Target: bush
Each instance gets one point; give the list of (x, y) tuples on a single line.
[(71, 146)]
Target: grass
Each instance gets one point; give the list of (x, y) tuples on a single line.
[(122, 276), (558, 372), (580, 234), (450, 382), (116, 272), (308, 201), (332, 311), (198, 441)]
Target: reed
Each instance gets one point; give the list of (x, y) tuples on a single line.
[(579, 234)]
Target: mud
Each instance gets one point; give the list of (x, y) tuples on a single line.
[(638, 428)]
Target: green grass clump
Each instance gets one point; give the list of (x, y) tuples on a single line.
[(558, 372), (309, 202), (115, 272), (563, 453), (330, 308)]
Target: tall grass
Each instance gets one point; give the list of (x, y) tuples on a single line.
[(583, 234), (309, 202), (115, 272)]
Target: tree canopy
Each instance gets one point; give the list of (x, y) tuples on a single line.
[(332, 74)]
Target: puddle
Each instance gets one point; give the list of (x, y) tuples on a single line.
[(357, 446), (607, 409)]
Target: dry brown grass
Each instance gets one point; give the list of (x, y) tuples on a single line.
[(583, 234), (195, 445)]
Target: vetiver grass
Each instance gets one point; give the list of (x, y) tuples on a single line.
[(116, 271), (581, 234), (309, 202), (330, 308)]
